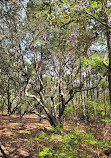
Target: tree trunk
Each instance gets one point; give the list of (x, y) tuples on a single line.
[(8, 98), (53, 121), (108, 36), (41, 78)]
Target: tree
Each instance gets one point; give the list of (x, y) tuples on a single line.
[(11, 55), (50, 40), (99, 11), (62, 61)]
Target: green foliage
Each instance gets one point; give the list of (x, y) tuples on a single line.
[(69, 145), (56, 129), (86, 62), (55, 137), (68, 110), (106, 120), (45, 152), (41, 136), (94, 63), (27, 132), (29, 137), (97, 108), (97, 59)]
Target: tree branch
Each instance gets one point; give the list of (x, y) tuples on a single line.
[(74, 77), (86, 89), (84, 9), (38, 100), (103, 23), (104, 60), (4, 151), (34, 112)]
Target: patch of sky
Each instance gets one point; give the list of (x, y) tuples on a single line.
[(99, 47)]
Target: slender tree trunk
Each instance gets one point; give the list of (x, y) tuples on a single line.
[(87, 84), (97, 92), (73, 98), (108, 35), (105, 113), (41, 78), (60, 107), (108, 38), (87, 96), (8, 97)]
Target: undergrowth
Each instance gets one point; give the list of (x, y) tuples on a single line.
[(74, 144)]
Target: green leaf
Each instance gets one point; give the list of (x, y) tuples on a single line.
[(106, 120), (97, 59), (27, 132), (94, 3), (44, 152), (55, 137)]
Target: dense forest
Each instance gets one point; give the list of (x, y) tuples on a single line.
[(55, 67)]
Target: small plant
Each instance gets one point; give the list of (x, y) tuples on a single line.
[(56, 130), (45, 152), (29, 137), (69, 147), (106, 120), (27, 132), (55, 137), (68, 110), (39, 137)]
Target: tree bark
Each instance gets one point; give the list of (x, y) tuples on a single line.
[(8, 97), (108, 36), (107, 4)]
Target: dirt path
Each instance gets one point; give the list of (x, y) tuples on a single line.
[(14, 137), (18, 137)]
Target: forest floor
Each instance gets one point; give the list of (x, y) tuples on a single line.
[(20, 137)]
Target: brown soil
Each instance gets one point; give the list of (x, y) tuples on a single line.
[(16, 140), (20, 144)]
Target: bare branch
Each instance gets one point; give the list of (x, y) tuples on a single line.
[(104, 60), (32, 111), (86, 89), (107, 132), (103, 23), (74, 77), (82, 7), (4, 151), (38, 100), (69, 22)]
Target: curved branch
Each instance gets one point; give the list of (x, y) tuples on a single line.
[(4, 151), (38, 100), (32, 111), (104, 60)]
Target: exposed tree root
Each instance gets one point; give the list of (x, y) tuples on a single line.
[(4, 151)]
